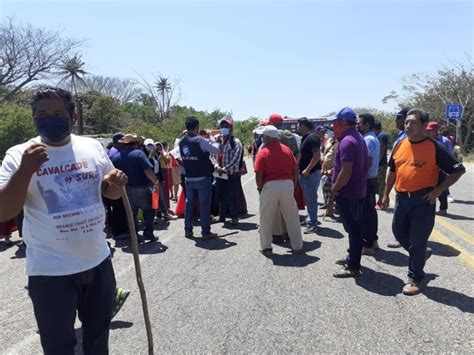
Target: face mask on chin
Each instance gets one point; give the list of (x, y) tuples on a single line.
[(53, 129), (225, 131)]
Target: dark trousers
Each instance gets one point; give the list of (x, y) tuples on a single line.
[(118, 217), (350, 210), (183, 183), (443, 198), (19, 223), (56, 300), (413, 222), (140, 198), (369, 214), (228, 196)]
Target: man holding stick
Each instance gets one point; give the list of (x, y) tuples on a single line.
[(58, 179)]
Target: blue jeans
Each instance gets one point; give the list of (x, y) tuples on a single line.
[(140, 198), (413, 222), (310, 185), (202, 190), (351, 215)]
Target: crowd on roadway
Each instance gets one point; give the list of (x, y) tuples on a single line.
[(59, 184), (353, 163)]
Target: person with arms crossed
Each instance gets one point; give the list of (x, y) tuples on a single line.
[(310, 172)]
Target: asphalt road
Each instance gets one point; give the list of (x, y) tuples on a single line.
[(224, 296)]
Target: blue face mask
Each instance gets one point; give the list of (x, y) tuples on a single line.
[(52, 129), (225, 131)]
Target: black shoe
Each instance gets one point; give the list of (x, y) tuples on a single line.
[(278, 239), (428, 253), (342, 262), (297, 252), (149, 236), (310, 229), (234, 222), (267, 252), (209, 236), (188, 234), (346, 273), (123, 236)]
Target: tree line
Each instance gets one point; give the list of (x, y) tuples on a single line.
[(32, 56)]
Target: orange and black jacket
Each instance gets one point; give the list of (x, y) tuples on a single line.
[(417, 164)]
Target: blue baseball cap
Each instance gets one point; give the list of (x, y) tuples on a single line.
[(346, 114), (117, 136)]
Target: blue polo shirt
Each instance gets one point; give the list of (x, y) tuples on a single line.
[(373, 149), (133, 162)]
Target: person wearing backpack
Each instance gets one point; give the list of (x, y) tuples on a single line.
[(285, 136)]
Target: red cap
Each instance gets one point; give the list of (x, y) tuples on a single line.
[(264, 123), (227, 120), (275, 119), (432, 126)]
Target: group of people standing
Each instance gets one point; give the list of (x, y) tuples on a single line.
[(60, 180), (421, 168)]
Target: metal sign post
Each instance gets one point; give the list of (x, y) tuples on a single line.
[(454, 112)]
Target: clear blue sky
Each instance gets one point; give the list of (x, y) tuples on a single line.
[(298, 58)]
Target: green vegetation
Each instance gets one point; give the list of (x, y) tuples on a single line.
[(107, 105)]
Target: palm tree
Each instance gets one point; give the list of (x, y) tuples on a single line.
[(71, 69), (164, 89)]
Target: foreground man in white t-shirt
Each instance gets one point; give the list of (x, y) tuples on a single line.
[(58, 179)]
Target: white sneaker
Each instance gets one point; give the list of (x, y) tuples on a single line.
[(450, 199)]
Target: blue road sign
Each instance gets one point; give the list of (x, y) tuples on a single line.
[(453, 111)]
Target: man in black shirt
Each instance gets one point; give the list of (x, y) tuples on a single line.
[(310, 172)]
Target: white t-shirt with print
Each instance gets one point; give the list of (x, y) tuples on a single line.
[(63, 226)]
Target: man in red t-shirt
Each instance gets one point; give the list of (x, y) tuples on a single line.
[(276, 171)]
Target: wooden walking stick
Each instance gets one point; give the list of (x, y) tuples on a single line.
[(138, 270)]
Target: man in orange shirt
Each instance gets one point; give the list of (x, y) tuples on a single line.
[(276, 172), (414, 167)]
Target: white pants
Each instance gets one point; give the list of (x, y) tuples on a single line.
[(276, 198)]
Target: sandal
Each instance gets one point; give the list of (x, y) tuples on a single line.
[(120, 297)]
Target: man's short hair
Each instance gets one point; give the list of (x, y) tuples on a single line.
[(378, 125), (191, 123), (403, 113), (305, 122), (48, 92), (419, 114), (369, 119)]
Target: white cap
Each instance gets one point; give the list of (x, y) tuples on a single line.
[(270, 131), (148, 141)]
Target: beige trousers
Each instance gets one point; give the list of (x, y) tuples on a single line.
[(277, 198), (279, 226)]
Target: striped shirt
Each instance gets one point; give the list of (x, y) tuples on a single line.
[(231, 156)]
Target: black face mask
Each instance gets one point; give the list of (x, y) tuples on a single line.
[(52, 129)]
